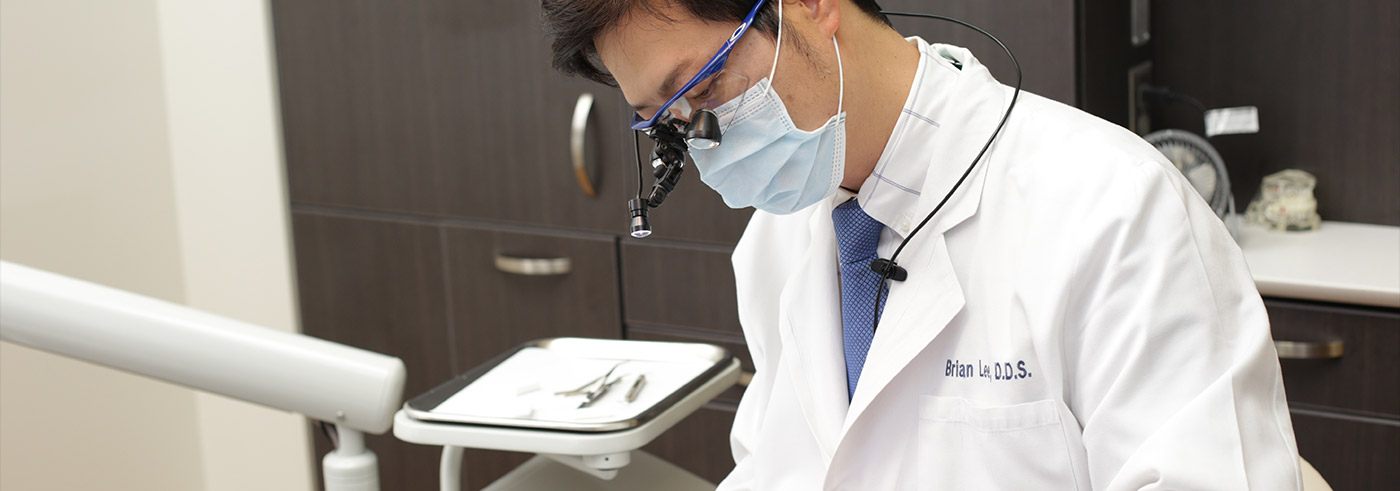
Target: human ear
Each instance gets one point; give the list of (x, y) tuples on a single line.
[(824, 14)]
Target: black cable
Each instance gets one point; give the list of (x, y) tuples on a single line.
[(637, 142), (891, 265)]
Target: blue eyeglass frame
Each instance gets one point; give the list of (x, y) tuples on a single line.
[(712, 67)]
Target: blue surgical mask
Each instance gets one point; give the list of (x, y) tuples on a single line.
[(767, 162)]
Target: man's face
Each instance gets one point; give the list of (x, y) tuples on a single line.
[(652, 57)]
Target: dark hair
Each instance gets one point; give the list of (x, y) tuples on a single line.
[(574, 24)]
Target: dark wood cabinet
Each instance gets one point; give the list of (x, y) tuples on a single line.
[(434, 294), (501, 122), (674, 285), (686, 294), (1040, 32), (1370, 339), (377, 285), (695, 444), (443, 108), (355, 104), (1346, 410), (493, 309), (1350, 453)]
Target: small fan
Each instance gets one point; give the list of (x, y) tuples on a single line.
[(1200, 163)]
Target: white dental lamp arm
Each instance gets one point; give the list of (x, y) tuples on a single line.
[(357, 390)]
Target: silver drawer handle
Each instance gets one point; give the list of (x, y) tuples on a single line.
[(744, 379), (1300, 350), (530, 266), (576, 140)]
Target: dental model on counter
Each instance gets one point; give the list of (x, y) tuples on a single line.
[(1286, 202)]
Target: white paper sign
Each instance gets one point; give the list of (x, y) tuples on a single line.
[(1232, 120)]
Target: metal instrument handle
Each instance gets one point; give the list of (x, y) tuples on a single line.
[(1304, 350), (578, 130), (530, 266)]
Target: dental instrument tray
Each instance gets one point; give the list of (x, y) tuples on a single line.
[(574, 385)]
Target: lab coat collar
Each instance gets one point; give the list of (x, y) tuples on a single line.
[(891, 193), (973, 105), (921, 307)]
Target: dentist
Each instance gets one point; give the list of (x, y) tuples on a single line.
[(1073, 317)]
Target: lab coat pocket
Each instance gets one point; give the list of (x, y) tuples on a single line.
[(962, 445)]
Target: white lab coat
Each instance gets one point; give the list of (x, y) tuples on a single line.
[(1075, 317)]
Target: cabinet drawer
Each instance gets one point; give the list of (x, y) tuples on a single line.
[(735, 346), (1350, 453), (672, 285), (506, 287), (1364, 378)]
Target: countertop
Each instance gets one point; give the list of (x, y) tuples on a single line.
[(1339, 262)]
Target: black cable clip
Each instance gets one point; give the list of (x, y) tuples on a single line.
[(895, 272)]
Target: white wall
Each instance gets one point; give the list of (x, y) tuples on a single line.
[(231, 210), (139, 149), (86, 190)]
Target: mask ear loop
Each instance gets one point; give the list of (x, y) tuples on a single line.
[(840, 77), (840, 68), (777, 48)]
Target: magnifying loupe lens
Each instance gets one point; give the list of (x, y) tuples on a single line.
[(703, 132), (723, 96)]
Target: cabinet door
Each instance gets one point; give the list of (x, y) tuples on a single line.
[(502, 117), (377, 285), (442, 107), (506, 288), (354, 104)]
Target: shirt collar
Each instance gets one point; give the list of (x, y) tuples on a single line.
[(891, 193)]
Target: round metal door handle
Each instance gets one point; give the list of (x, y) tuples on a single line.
[(533, 266), (1304, 350), (578, 130)]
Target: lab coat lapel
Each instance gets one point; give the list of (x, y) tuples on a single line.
[(917, 312), (811, 334), (920, 308)]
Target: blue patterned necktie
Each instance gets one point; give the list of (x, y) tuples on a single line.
[(857, 235)]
